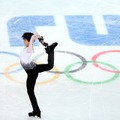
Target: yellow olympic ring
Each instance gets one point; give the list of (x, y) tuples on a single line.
[(7, 74)]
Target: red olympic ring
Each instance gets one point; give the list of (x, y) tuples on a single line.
[(94, 59)]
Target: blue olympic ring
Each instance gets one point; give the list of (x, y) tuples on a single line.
[(14, 54)]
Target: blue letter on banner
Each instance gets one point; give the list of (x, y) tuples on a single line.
[(82, 30), (18, 25)]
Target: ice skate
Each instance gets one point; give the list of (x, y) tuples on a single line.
[(41, 40), (51, 47), (35, 113)]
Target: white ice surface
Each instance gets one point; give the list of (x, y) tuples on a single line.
[(62, 99)]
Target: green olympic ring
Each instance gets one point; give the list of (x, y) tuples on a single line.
[(85, 82)]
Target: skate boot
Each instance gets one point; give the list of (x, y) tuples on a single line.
[(51, 47), (41, 40), (35, 113)]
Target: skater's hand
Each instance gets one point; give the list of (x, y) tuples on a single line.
[(35, 36)]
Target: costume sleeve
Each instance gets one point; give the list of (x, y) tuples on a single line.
[(30, 48)]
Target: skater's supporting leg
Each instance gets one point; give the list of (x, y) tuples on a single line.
[(31, 80)]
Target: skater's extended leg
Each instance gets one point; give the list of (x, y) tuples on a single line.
[(50, 52)]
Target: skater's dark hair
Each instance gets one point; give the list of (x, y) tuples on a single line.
[(27, 35)]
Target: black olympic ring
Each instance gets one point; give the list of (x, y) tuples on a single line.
[(83, 65), (84, 62)]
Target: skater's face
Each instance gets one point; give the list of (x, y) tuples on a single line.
[(26, 42)]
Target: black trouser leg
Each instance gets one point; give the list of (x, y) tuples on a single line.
[(30, 84), (51, 59), (32, 76), (46, 67)]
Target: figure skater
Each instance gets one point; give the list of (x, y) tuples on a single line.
[(32, 69)]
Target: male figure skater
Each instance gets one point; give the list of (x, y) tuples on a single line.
[(32, 69)]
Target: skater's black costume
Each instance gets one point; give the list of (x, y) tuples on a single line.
[(32, 69)]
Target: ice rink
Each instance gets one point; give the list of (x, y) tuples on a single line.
[(84, 83)]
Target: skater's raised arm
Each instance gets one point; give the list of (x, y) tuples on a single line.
[(30, 47), (32, 40)]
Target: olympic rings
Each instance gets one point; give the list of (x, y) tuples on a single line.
[(60, 72), (80, 81), (94, 58), (7, 71), (75, 70), (10, 53), (68, 69)]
